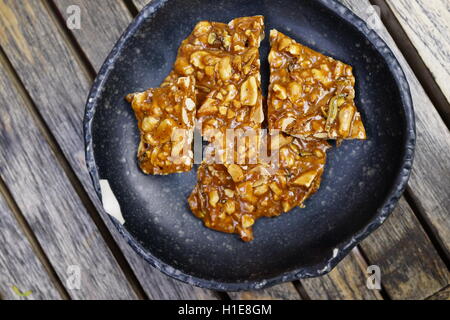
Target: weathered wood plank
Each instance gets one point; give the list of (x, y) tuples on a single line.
[(428, 28), (140, 4), (430, 179), (22, 275), (444, 294), (284, 291), (410, 266), (345, 282), (50, 204), (109, 18), (58, 85), (98, 19)]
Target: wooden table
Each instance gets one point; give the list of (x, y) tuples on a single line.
[(52, 224)]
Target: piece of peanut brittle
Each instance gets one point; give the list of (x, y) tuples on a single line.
[(166, 119), (311, 95), (224, 59), (231, 197)]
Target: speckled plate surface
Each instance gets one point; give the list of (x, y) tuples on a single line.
[(361, 185)]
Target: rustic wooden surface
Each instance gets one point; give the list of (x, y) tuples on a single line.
[(22, 275), (424, 184), (429, 31), (53, 90), (44, 225)]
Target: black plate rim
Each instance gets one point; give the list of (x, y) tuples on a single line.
[(344, 248)]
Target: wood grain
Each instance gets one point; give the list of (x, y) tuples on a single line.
[(444, 294), (46, 198), (410, 266), (429, 31), (19, 265), (435, 264), (109, 18), (430, 176), (56, 80), (140, 4), (286, 291), (346, 282), (97, 51), (27, 54)]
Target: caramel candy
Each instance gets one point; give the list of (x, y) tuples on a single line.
[(166, 120), (230, 197), (224, 59), (311, 95)]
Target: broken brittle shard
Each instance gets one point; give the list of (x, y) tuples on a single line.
[(230, 197), (224, 59), (311, 95), (166, 120)]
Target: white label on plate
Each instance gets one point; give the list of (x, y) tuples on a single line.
[(110, 203)]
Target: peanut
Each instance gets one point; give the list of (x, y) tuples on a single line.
[(346, 115), (213, 198), (149, 123), (196, 59), (235, 172), (275, 188), (249, 92), (280, 92), (225, 69), (306, 179), (208, 107), (230, 207), (247, 221), (261, 190), (295, 91), (164, 131)]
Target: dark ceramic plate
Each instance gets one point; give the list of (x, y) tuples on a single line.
[(361, 185)]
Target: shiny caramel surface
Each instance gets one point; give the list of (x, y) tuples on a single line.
[(224, 59), (311, 95), (231, 197), (216, 83), (166, 119)]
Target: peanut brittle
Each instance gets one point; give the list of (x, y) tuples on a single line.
[(166, 119), (311, 95), (224, 59), (231, 197)]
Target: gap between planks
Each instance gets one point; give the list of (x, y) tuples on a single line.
[(134, 11), (414, 59), (85, 62), (32, 240), (443, 294), (435, 94), (4, 191), (70, 39), (429, 232), (81, 193)]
